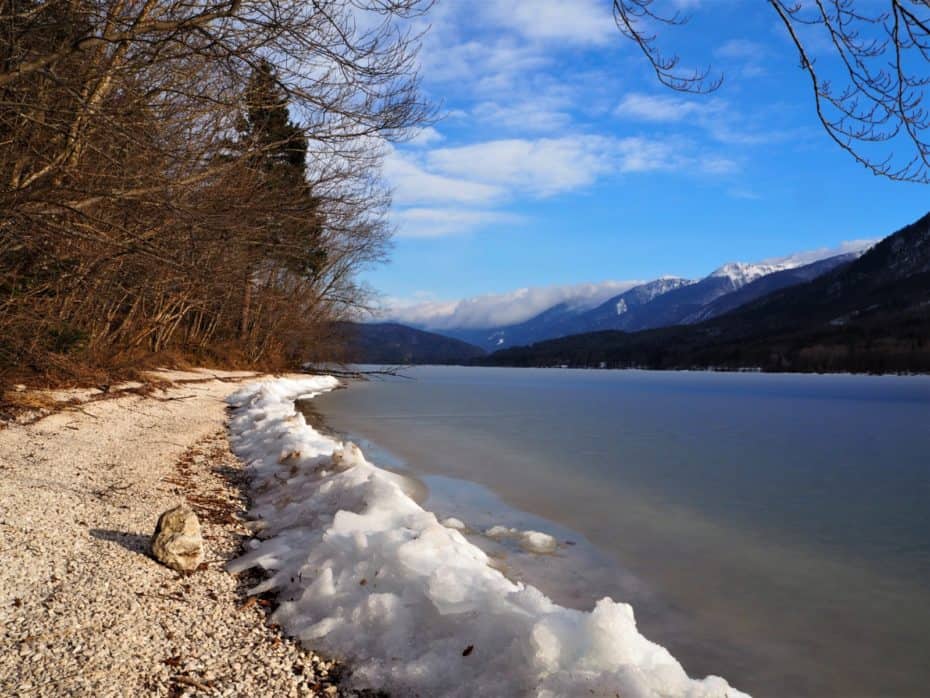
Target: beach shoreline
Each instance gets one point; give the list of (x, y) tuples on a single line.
[(362, 571), (85, 609)]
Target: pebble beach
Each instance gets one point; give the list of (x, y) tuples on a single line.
[(84, 608)]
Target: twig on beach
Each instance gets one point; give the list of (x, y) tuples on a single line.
[(169, 399), (81, 410)]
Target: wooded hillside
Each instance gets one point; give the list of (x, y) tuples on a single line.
[(194, 179)]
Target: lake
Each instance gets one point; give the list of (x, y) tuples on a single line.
[(771, 529)]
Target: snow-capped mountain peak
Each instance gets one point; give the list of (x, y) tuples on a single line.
[(742, 273), (664, 284)]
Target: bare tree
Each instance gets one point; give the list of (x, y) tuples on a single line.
[(137, 215), (868, 86)]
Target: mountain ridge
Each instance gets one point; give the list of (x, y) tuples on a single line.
[(661, 302), (868, 314)]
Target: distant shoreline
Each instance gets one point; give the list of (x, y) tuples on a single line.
[(745, 370)]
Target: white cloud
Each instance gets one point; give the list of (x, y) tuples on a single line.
[(721, 120), (542, 167), (448, 191), (809, 256), (498, 48), (441, 222), (544, 114), (426, 136), (412, 184), (548, 166), (495, 309), (716, 165), (741, 48), (665, 108), (480, 66), (743, 193), (745, 58), (578, 21)]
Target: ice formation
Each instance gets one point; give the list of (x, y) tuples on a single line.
[(531, 541), (362, 572)]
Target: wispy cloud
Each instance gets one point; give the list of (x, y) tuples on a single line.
[(666, 108), (744, 57), (544, 114), (423, 222), (453, 190), (810, 256), (413, 184), (716, 117), (425, 136), (547, 166), (578, 22), (741, 48), (743, 193)]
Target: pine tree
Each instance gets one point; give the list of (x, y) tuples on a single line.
[(292, 239), (281, 144)]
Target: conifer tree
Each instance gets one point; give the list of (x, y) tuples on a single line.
[(291, 238), (281, 145)]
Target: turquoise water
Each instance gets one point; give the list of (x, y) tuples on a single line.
[(773, 529)]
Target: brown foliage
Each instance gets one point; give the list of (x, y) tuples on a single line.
[(141, 219)]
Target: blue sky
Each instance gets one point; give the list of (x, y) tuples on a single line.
[(559, 160)]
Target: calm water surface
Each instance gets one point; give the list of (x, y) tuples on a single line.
[(772, 529)]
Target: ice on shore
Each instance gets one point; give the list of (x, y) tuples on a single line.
[(455, 523), (365, 574), (531, 541)]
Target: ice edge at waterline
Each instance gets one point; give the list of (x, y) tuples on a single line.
[(363, 573)]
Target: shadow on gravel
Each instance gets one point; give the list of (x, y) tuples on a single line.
[(133, 542)]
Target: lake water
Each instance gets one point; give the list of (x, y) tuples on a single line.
[(771, 529)]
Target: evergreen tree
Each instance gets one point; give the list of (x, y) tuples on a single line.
[(291, 236), (280, 148), (281, 144)]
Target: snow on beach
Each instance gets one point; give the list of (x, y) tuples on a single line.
[(364, 573)]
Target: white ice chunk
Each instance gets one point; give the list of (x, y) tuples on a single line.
[(531, 541), (536, 542)]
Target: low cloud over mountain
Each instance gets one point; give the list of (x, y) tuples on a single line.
[(493, 309)]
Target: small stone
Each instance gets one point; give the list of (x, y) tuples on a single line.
[(19, 388), (177, 542)]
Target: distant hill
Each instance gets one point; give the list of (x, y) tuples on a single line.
[(395, 344), (868, 314)]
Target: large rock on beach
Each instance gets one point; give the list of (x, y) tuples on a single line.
[(177, 542)]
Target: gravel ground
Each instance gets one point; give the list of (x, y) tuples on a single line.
[(84, 610)]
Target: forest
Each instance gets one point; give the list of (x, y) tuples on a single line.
[(193, 181)]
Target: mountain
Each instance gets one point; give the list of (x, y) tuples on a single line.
[(867, 314), (664, 302), (556, 321), (391, 343), (622, 310), (767, 284)]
